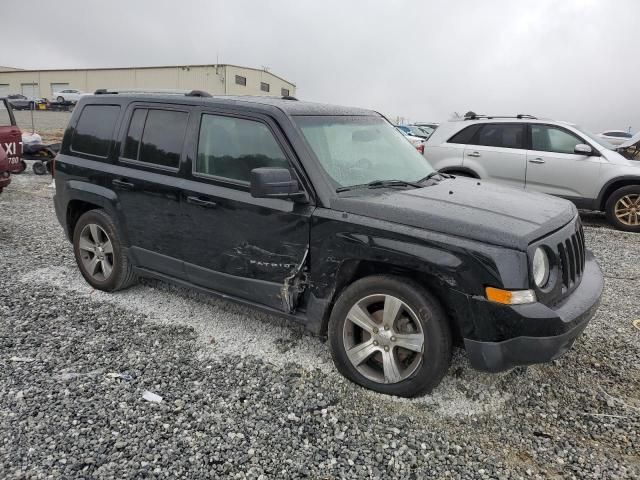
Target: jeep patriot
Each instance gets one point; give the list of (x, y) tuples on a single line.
[(328, 216)]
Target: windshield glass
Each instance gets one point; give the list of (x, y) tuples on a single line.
[(356, 150), (594, 137), (417, 131)]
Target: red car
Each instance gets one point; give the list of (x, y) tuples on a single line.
[(10, 138), (5, 176)]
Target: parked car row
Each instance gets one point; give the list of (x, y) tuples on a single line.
[(22, 102), (545, 156), (326, 215)]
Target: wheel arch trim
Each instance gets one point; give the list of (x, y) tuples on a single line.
[(613, 185), (99, 196)]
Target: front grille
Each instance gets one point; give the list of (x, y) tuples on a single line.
[(572, 257)]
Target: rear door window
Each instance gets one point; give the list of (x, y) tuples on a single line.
[(231, 147), (156, 137), (503, 135), (94, 130)]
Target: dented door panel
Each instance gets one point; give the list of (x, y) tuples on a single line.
[(244, 246)]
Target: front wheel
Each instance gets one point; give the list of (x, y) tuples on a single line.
[(390, 335), (60, 99), (623, 208)]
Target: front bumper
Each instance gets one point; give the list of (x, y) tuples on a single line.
[(548, 331)]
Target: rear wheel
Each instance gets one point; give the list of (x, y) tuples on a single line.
[(390, 335), (22, 166), (623, 208), (100, 255), (39, 168)]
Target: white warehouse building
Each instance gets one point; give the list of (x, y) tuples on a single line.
[(215, 79)]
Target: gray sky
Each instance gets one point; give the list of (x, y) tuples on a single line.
[(573, 60)]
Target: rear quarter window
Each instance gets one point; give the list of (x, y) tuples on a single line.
[(94, 131), (465, 135)]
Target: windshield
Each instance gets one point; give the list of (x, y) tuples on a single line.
[(594, 137), (356, 150), (417, 131), (427, 131)]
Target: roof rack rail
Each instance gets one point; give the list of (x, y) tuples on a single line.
[(519, 116), (289, 97), (144, 91), (198, 93)]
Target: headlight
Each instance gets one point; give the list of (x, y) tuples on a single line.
[(540, 267)]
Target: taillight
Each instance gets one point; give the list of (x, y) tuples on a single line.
[(420, 148)]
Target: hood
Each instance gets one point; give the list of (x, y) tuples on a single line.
[(633, 141), (466, 208)]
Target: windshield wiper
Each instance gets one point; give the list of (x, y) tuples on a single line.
[(433, 174), (382, 184)]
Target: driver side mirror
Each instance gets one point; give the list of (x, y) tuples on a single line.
[(583, 149), (268, 182)]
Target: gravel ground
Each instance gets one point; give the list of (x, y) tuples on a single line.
[(245, 395)]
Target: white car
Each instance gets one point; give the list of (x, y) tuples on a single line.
[(546, 156), (68, 95), (417, 142), (615, 137)]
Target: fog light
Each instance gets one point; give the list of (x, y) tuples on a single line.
[(510, 297)]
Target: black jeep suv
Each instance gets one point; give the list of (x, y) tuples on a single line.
[(328, 216)]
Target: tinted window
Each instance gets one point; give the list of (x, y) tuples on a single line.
[(232, 147), (504, 135), (551, 139), (134, 135), (240, 80), (464, 136), (163, 137), (94, 130)]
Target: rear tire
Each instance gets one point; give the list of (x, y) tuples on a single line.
[(101, 257), (623, 208), (22, 168), (374, 321), (39, 168)]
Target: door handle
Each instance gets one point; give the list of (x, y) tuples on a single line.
[(122, 184), (473, 154), (201, 202), (536, 160)]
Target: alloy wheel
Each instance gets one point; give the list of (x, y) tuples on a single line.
[(383, 338), (96, 252), (627, 209)]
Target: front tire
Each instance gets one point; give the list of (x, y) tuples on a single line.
[(100, 254), (623, 208), (390, 335), (60, 99)]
